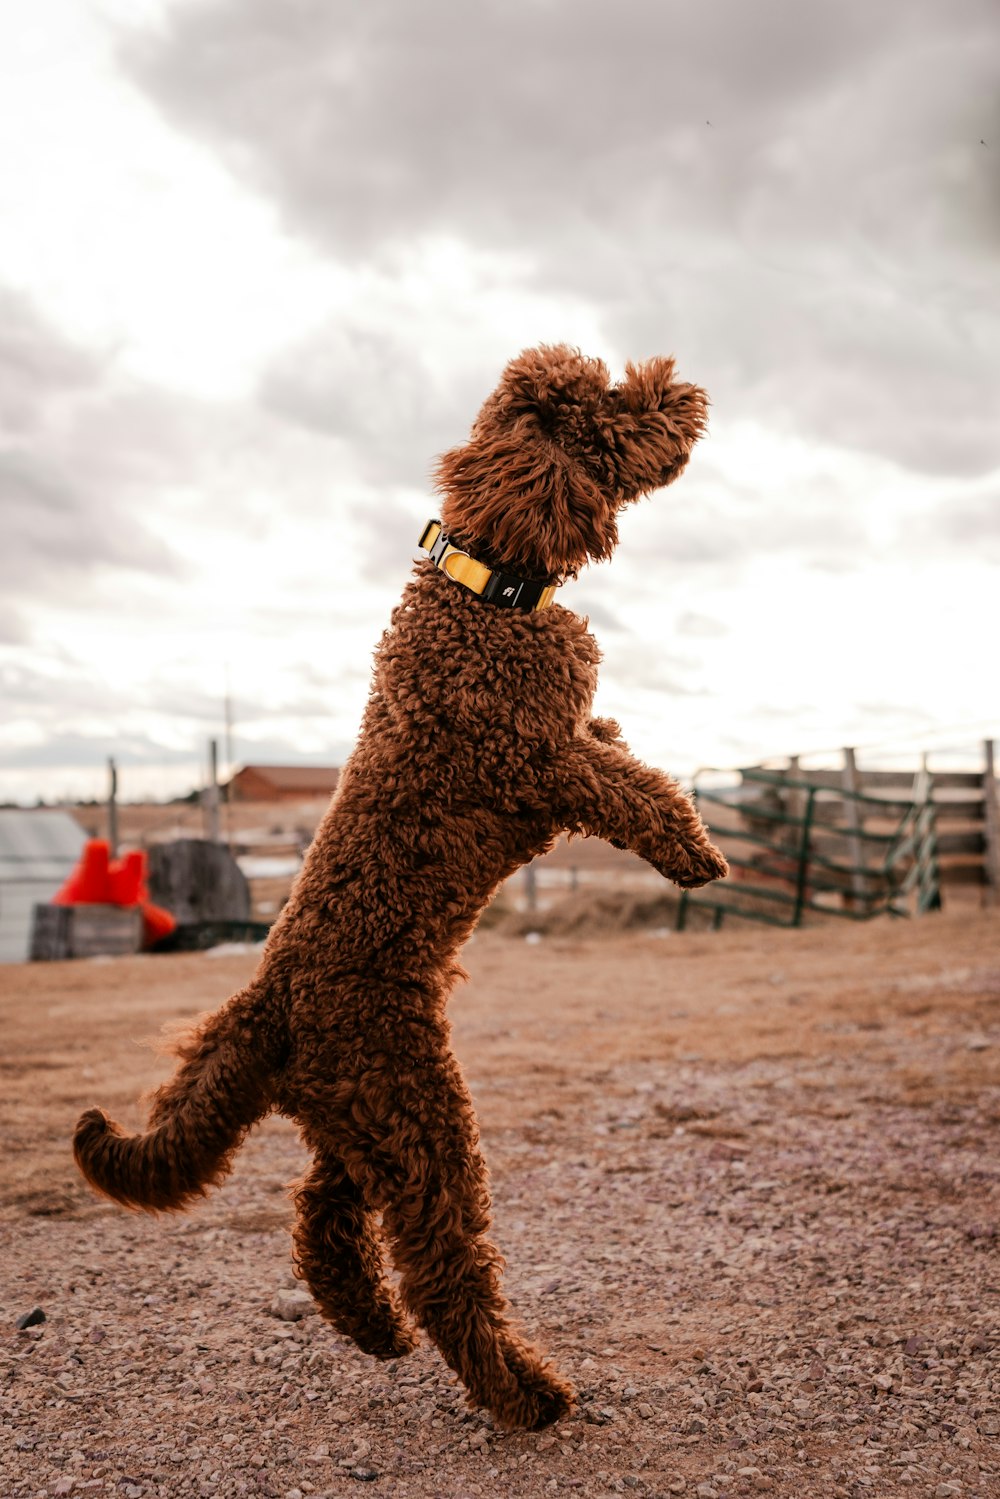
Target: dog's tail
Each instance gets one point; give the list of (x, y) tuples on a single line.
[(198, 1119)]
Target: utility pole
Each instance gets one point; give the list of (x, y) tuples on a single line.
[(210, 796), (113, 808), (227, 706)]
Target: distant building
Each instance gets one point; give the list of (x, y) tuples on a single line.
[(282, 783), (38, 850)]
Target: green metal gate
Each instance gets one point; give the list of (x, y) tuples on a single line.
[(795, 846)]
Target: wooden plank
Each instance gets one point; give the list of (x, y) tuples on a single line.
[(86, 931), (961, 874), (97, 931), (49, 934), (961, 843), (973, 813), (957, 780), (879, 780)]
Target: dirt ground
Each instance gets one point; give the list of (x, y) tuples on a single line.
[(747, 1184)]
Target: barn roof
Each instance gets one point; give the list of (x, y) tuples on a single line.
[(295, 777)]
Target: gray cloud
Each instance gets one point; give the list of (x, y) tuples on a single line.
[(655, 669), (970, 526), (70, 750), (273, 749), (793, 197), (36, 363), (78, 751), (702, 625), (717, 523), (71, 458), (373, 390), (68, 685), (391, 530), (601, 617), (12, 627), (66, 693), (373, 124), (55, 533)]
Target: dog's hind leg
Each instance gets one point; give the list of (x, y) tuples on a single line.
[(416, 1147), (338, 1254)]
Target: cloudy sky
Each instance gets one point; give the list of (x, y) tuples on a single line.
[(260, 260)]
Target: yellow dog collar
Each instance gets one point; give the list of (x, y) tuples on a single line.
[(506, 590)]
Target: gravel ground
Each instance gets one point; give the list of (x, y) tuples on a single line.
[(748, 1189)]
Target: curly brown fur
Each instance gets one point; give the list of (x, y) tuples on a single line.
[(476, 750)]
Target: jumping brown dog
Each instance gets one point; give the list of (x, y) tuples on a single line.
[(476, 750)]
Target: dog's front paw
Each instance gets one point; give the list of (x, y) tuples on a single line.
[(701, 867), (686, 864)]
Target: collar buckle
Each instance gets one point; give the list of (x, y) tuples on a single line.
[(503, 590), (439, 546)]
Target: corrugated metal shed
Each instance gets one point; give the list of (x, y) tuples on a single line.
[(37, 851)]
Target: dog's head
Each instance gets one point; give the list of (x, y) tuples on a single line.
[(555, 453)]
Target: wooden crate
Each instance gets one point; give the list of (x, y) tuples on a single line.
[(87, 931)]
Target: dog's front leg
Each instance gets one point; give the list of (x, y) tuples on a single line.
[(605, 792)]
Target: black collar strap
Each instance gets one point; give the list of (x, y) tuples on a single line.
[(506, 590)]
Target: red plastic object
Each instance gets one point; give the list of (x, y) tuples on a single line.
[(88, 884), (156, 923), (126, 880), (100, 880)]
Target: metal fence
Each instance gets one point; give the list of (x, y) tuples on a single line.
[(796, 846)]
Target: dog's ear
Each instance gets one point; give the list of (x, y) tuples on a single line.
[(524, 502), (652, 423), (530, 486)]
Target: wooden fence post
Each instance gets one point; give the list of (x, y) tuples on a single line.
[(531, 887), (802, 877), (795, 797), (852, 816), (991, 829)]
